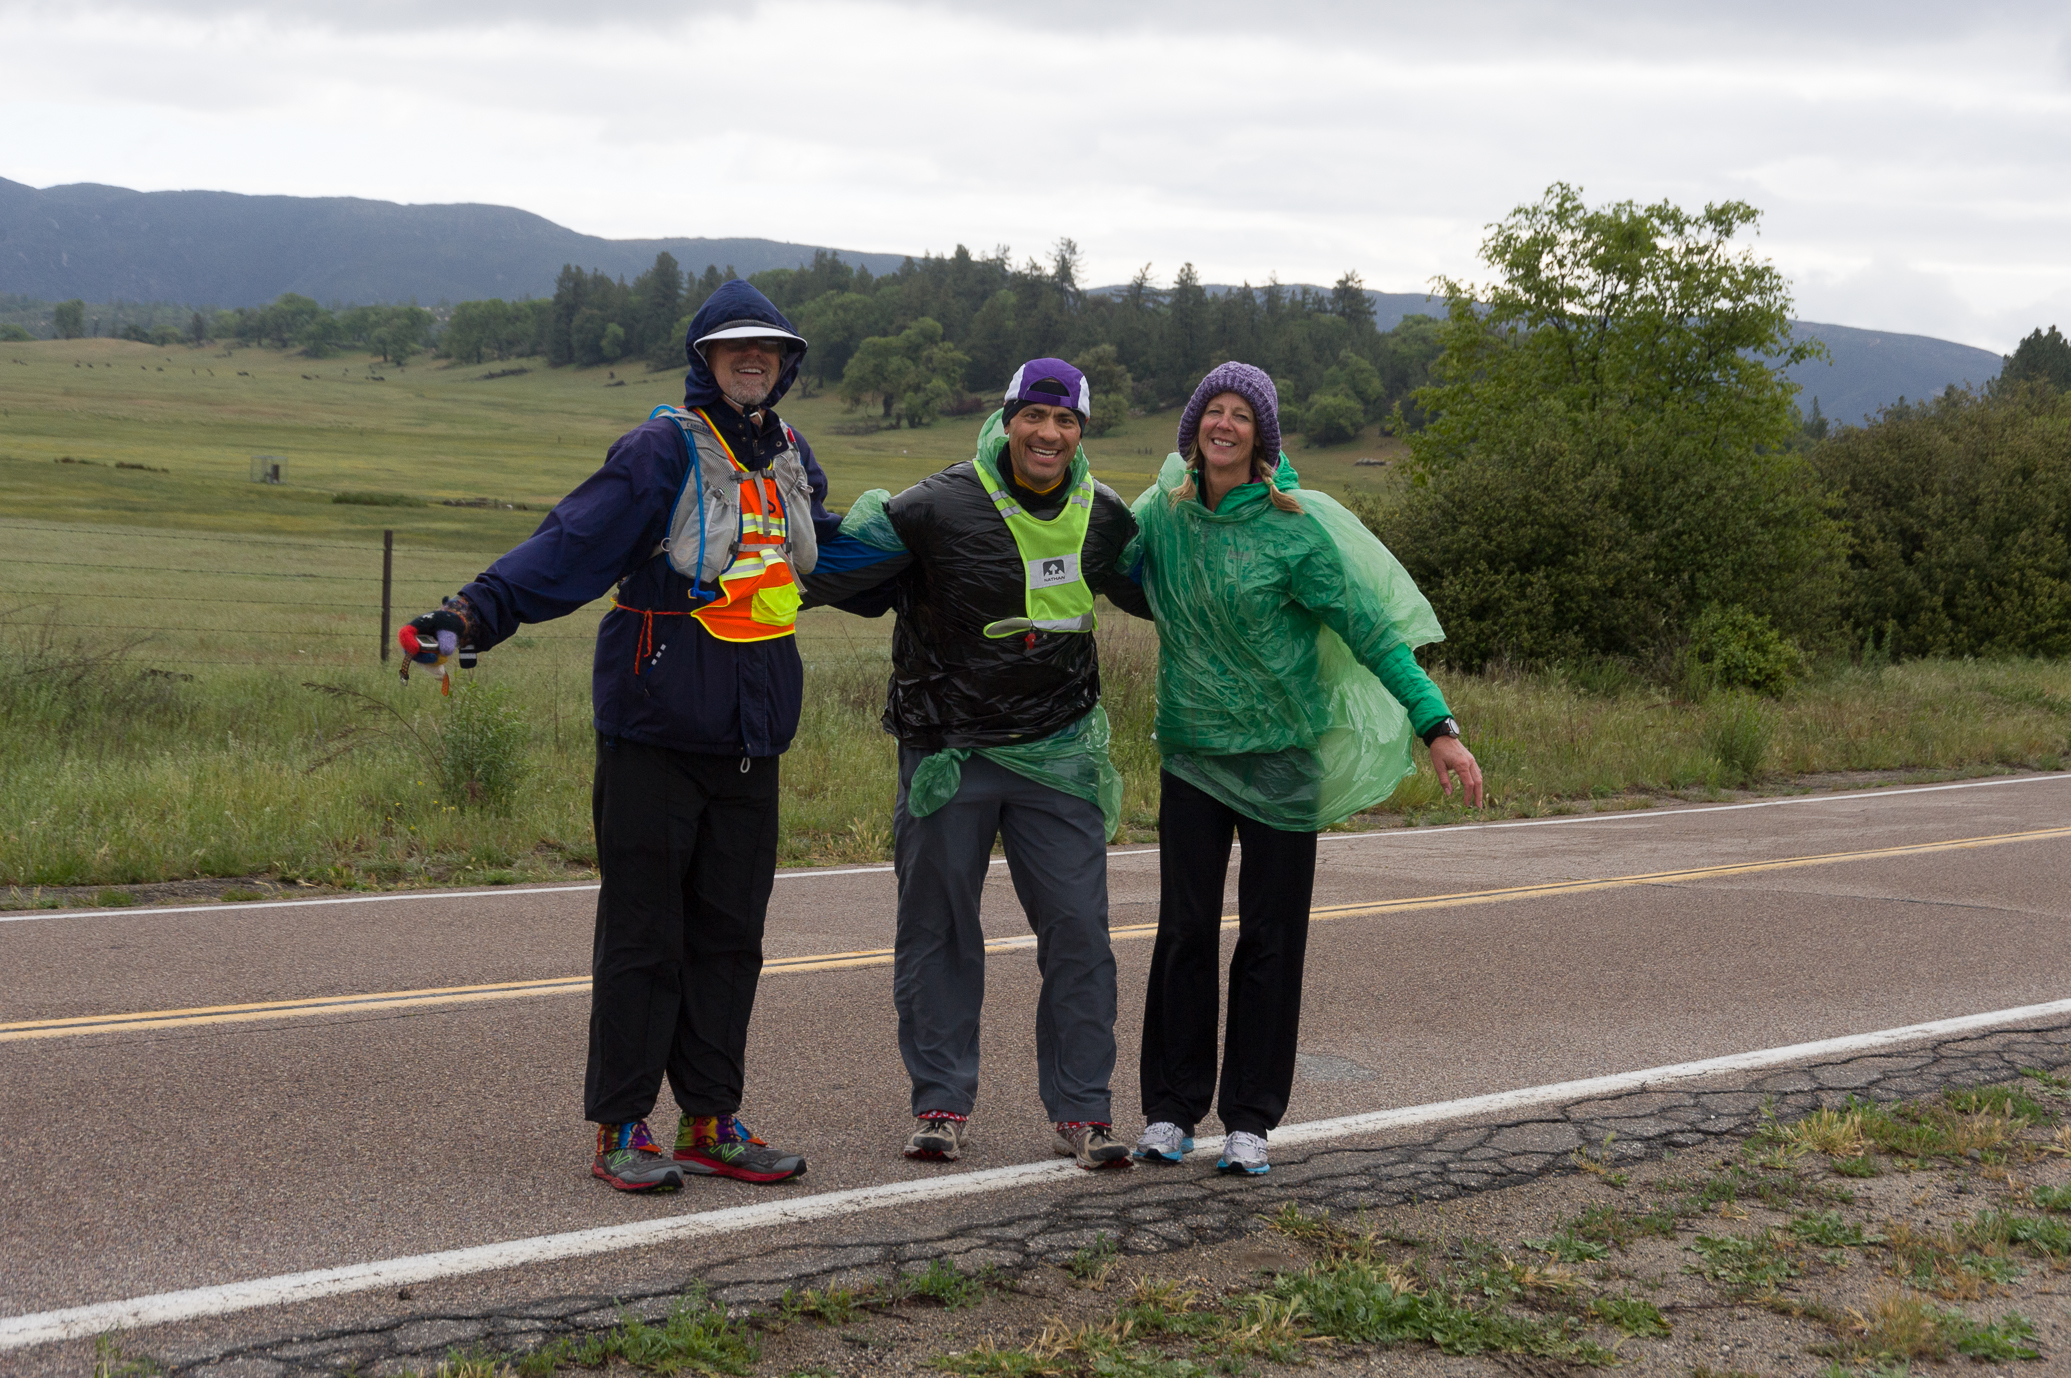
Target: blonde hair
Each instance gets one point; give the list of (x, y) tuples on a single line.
[(1260, 473)]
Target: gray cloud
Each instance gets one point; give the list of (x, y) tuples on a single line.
[(1910, 160)]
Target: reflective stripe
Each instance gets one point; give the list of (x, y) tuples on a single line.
[(1007, 626)]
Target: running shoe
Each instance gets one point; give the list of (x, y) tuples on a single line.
[(1094, 1144), (721, 1146), (628, 1158), (1163, 1142), (938, 1137), (1245, 1153)]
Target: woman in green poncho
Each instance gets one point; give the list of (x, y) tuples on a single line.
[(1287, 700)]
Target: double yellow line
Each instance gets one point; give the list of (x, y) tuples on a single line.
[(442, 996)]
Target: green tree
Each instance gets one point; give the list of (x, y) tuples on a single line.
[(1609, 451), (69, 319), (2041, 358), (612, 343), (1329, 418), (198, 329), (1111, 385), (1958, 515), (912, 375)]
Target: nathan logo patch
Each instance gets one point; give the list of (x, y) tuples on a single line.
[(1048, 571)]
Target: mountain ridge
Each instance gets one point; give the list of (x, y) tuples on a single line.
[(216, 248), (221, 248)]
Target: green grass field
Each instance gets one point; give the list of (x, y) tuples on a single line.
[(159, 632)]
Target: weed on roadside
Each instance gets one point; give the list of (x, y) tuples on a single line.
[(110, 1360), (1745, 1265), (943, 1283), (1606, 1224), (696, 1337), (1633, 1315), (2051, 1198), (1899, 1328), (1092, 1265), (1828, 1230), (829, 1305)]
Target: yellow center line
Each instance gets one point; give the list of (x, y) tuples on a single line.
[(441, 996)]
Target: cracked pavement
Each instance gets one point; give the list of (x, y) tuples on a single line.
[(260, 1149)]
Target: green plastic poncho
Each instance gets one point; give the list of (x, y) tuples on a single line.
[(1270, 625), (1074, 761)]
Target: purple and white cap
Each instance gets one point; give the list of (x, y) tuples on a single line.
[(1051, 382)]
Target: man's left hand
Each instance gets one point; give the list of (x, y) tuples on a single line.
[(1452, 760)]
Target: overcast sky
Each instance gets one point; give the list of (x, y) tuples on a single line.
[(1913, 161)]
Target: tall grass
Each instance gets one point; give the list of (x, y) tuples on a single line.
[(115, 770)]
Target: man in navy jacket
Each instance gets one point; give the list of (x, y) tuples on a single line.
[(689, 728)]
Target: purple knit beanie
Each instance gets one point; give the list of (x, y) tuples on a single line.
[(1251, 384)]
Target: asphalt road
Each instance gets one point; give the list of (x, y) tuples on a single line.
[(183, 1154)]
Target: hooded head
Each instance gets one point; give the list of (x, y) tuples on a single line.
[(734, 303)]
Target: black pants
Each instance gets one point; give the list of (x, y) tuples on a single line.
[(1275, 879), (687, 845)]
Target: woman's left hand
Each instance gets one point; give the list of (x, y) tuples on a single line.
[(1452, 760)]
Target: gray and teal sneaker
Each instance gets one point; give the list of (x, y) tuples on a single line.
[(1094, 1144), (628, 1158), (1244, 1152), (1163, 1142), (721, 1146)]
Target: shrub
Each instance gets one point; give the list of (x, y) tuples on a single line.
[(1732, 648), (1331, 417), (482, 745), (1958, 522)]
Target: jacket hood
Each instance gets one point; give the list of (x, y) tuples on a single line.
[(734, 301), (1240, 501), (992, 449)]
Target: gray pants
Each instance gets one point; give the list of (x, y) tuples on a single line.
[(1057, 854)]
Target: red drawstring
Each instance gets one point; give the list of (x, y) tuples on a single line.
[(644, 647)]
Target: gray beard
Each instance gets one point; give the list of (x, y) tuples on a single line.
[(743, 396)]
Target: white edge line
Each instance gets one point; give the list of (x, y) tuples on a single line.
[(45, 1327), (1622, 816)]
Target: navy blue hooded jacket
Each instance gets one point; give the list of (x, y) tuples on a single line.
[(693, 692)]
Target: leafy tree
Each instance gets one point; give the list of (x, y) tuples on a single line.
[(2041, 358), (913, 375), (1329, 418), (11, 332), (1609, 449), (1111, 387), (198, 329), (612, 343), (1958, 515), (836, 324), (69, 319)]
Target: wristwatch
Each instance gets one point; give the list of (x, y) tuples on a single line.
[(1445, 727)]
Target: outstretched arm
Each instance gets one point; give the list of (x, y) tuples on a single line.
[(1356, 615), (594, 537)]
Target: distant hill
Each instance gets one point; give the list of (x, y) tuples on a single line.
[(219, 248), (1874, 368)]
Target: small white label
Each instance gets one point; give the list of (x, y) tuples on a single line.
[(1052, 570)]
